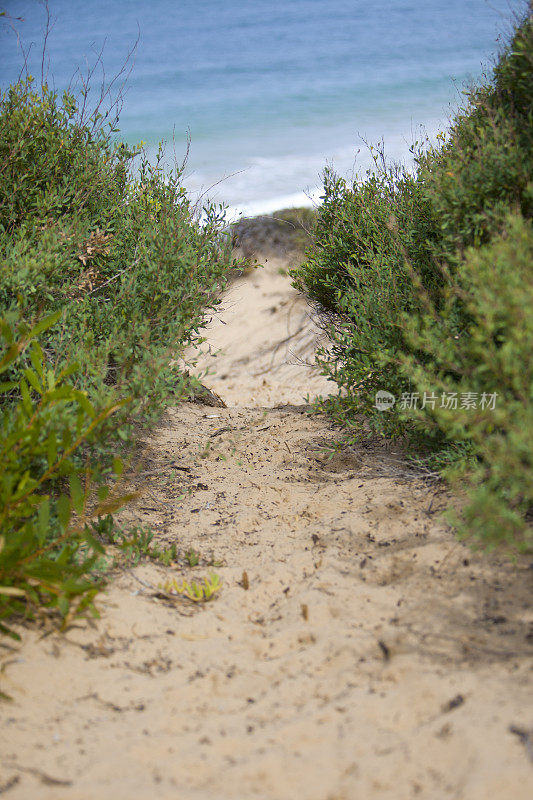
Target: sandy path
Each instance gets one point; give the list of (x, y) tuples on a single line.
[(371, 656), (260, 345)]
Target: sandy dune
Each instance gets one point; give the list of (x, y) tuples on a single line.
[(355, 650)]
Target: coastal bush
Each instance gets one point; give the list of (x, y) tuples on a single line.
[(113, 244), (482, 376), (107, 248), (47, 498), (356, 274), (423, 281)]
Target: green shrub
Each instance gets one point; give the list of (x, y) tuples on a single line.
[(114, 245), (46, 497), (487, 366), (52, 166), (108, 249), (396, 274), (356, 274)]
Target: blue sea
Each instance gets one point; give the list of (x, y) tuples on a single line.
[(269, 92)]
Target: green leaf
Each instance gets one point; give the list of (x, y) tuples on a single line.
[(68, 371), (63, 511), (33, 379), (63, 605), (6, 330), (85, 403), (37, 359), (77, 494), (116, 503), (43, 519), (10, 355), (26, 399), (44, 324), (51, 448), (61, 393), (66, 439), (93, 543)]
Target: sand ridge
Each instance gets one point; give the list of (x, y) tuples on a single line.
[(355, 650)]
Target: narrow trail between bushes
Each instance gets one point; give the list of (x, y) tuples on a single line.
[(354, 650)]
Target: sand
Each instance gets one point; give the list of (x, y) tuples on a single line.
[(355, 648)]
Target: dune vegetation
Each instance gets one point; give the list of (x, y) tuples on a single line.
[(106, 275)]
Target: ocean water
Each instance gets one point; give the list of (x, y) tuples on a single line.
[(269, 93)]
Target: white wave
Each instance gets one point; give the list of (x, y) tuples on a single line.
[(271, 204), (262, 184)]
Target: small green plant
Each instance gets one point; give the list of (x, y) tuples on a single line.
[(204, 451), (197, 592), (168, 555), (134, 543), (192, 557)]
